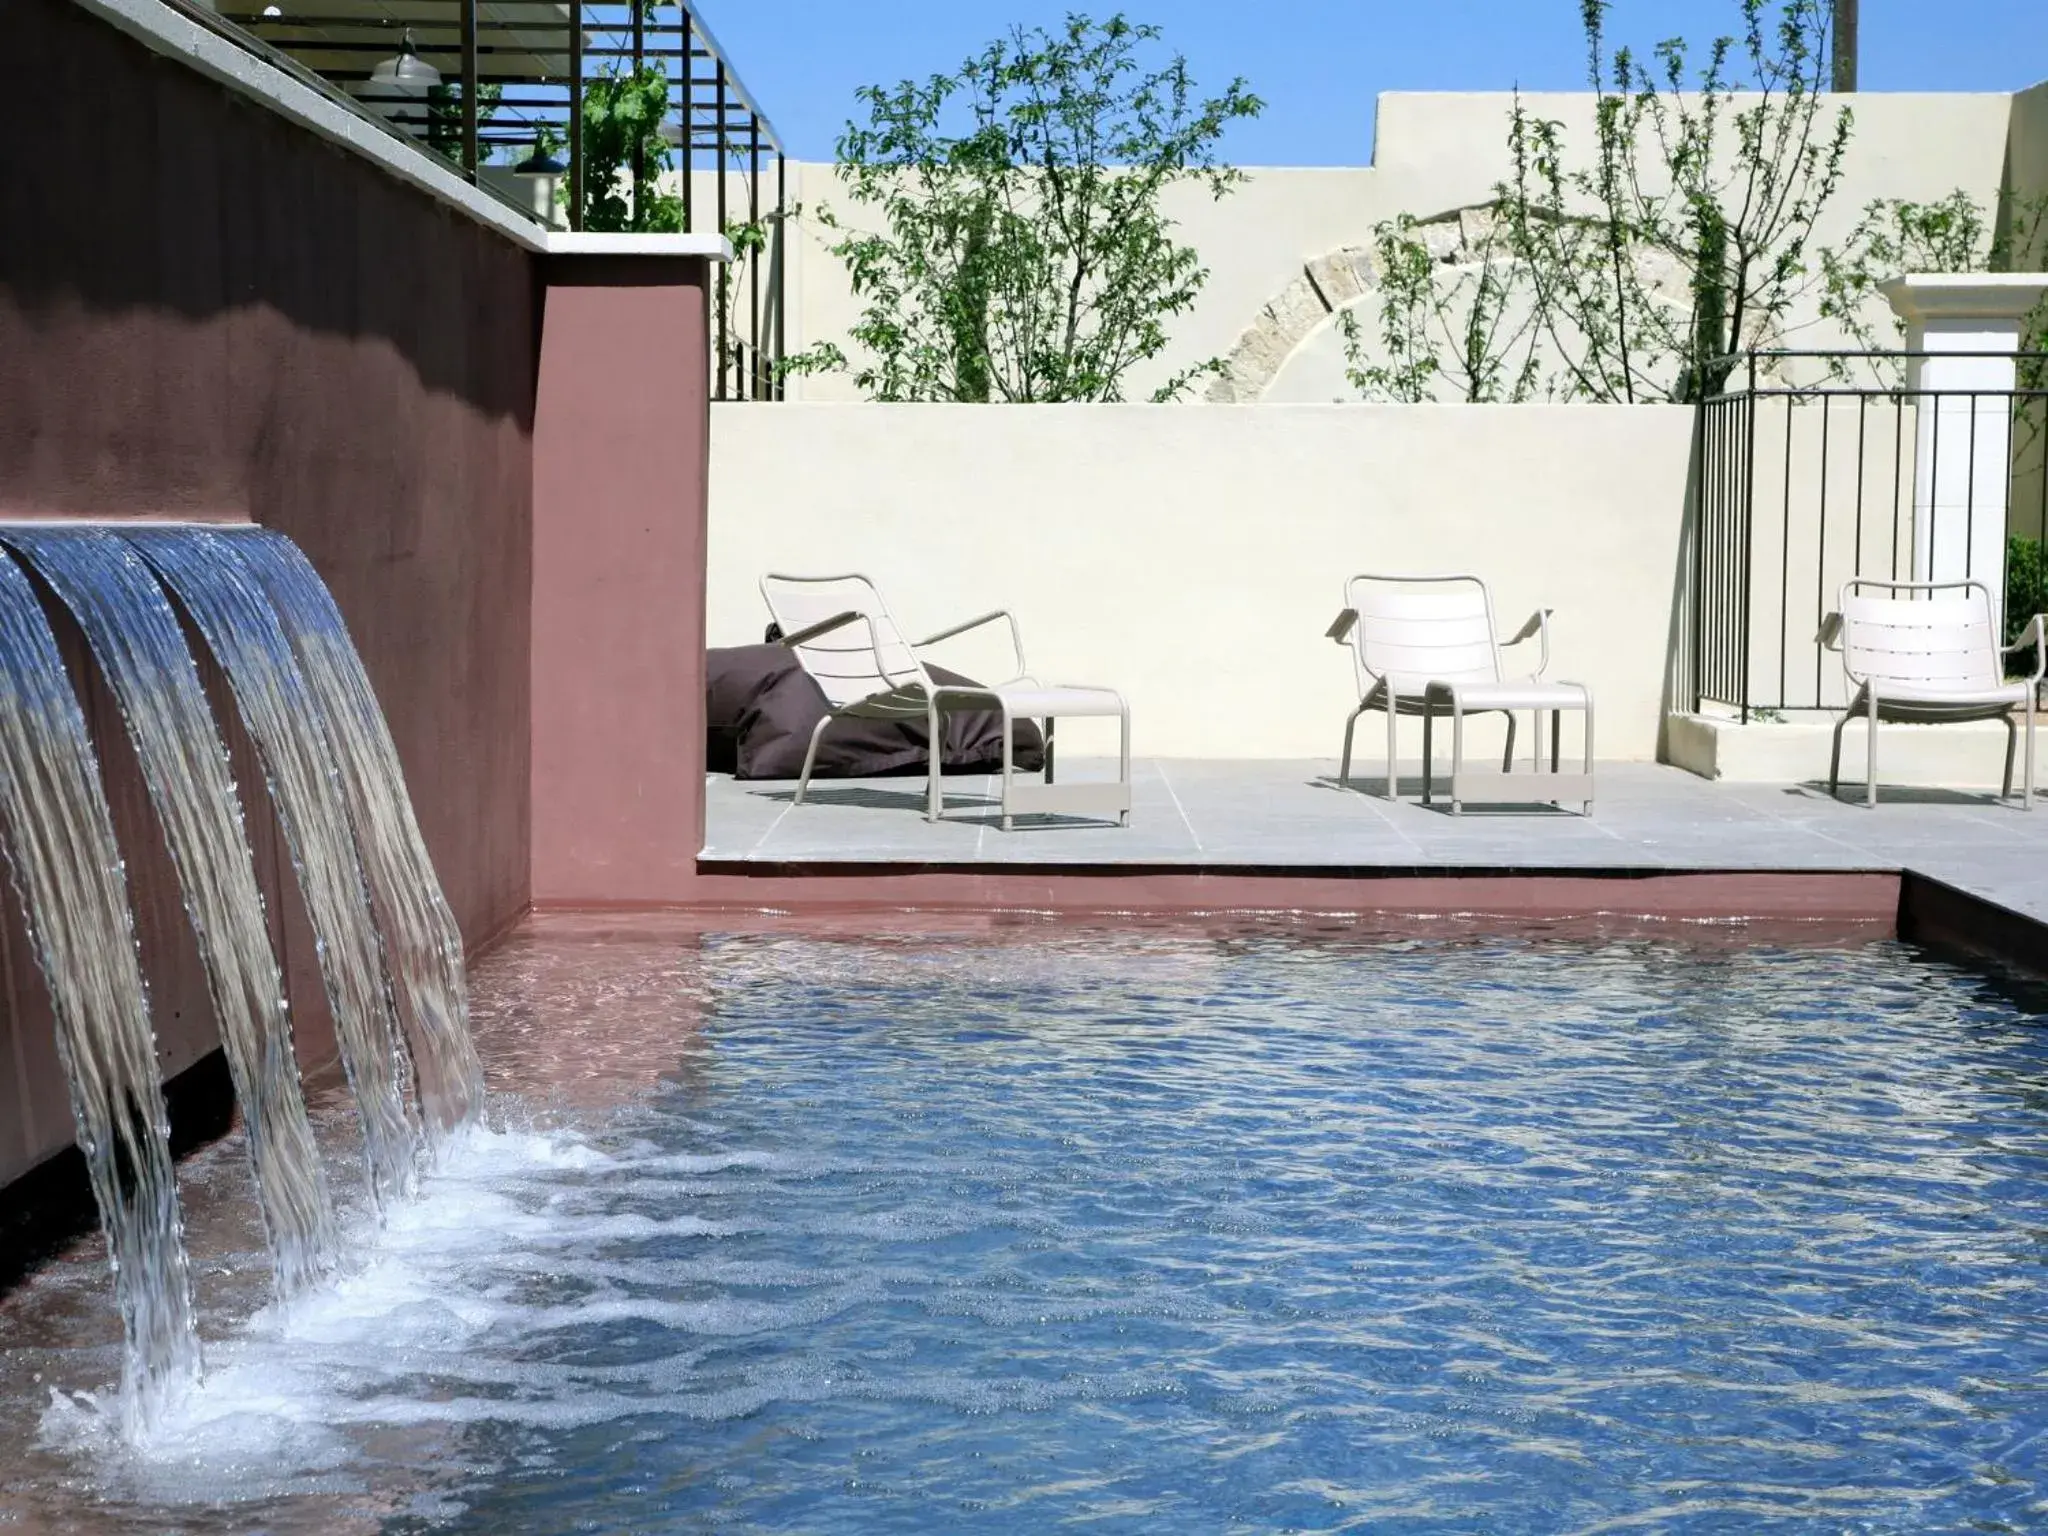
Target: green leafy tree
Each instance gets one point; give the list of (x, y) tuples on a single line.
[(1453, 315), (2026, 584), (444, 114), (624, 153), (1022, 253), (1955, 234), (1627, 268)]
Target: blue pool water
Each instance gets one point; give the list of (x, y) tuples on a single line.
[(1186, 1234)]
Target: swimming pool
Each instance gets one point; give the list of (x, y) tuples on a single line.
[(1153, 1231)]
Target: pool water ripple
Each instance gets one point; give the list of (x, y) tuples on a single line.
[(1159, 1233)]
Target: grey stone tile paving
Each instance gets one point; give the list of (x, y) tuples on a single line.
[(1217, 814)]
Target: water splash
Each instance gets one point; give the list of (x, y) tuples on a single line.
[(245, 636), (68, 871), (422, 944), (142, 652)]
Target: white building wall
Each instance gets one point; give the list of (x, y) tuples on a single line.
[(1193, 556)]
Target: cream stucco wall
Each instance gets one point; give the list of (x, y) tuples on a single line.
[(1193, 556), (1436, 151), (2027, 145)]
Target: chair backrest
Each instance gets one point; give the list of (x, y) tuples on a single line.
[(1414, 630), (856, 660), (1919, 637)]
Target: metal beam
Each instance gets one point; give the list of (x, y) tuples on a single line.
[(781, 385), (575, 114), (687, 148), (754, 379), (724, 267), (639, 143), (470, 82)]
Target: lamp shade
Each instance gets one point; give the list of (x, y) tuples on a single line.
[(405, 73), (540, 163)]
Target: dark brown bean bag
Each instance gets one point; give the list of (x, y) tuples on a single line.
[(761, 706)]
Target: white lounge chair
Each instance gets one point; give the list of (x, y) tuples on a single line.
[(1926, 652), (843, 634), (1421, 644)]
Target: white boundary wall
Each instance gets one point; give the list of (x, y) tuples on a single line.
[(1193, 555)]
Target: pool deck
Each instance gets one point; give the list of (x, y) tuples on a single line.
[(1292, 816)]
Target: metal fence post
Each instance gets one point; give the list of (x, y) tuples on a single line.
[(689, 125), (470, 85), (575, 114), (724, 274)]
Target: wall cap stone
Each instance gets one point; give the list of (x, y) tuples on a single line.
[(586, 243)]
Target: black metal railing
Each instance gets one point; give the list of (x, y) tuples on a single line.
[(1805, 468), (498, 89)]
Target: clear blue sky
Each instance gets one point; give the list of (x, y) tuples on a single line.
[(1320, 63)]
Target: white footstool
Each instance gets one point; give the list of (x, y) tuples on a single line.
[(1027, 700), (1532, 694)]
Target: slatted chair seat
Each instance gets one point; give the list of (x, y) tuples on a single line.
[(1927, 653), (1421, 645), (844, 636)]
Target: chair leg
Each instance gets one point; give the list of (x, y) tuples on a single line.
[(1048, 748), (1350, 730), (1587, 808), (1009, 763), (1870, 772), (2028, 798), (1124, 765), (2012, 741), (1835, 760), (803, 782), (1393, 745), (1556, 736), (1507, 756), (935, 760), (1457, 753), (1428, 750)]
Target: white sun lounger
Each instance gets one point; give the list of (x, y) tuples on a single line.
[(842, 633)]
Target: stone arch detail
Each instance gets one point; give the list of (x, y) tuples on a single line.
[(1327, 284), (1333, 282)]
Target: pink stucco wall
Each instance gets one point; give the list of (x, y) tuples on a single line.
[(619, 494)]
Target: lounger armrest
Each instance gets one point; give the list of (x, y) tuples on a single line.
[(820, 629), (1830, 636), (1341, 626), (2035, 635), (1016, 635), (1536, 626)]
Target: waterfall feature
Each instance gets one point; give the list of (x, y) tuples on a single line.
[(390, 955), (422, 945), (68, 873), (249, 642), (141, 650)]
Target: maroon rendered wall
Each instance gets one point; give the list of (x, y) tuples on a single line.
[(619, 516), (208, 312)]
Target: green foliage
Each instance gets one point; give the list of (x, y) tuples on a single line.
[(1452, 325), (2026, 583), (444, 114), (1956, 234), (624, 153), (1022, 254), (1625, 271), (749, 240)]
